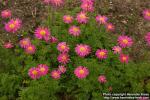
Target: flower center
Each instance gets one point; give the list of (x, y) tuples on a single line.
[(124, 58), (64, 57), (75, 29), (82, 49), (102, 53), (42, 32), (82, 16), (34, 72), (63, 47), (125, 41), (81, 71), (11, 26), (68, 18), (109, 27), (148, 13), (25, 42), (30, 48), (42, 69), (55, 74), (101, 19)]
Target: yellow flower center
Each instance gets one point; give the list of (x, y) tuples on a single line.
[(42, 69), (101, 19), (124, 58), (11, 25), (42, 32), (63, 47), (82, 49), (109, 27), (102, 53), (68, 18), (30, 48), (81, 71), (64, 57), (24, 42), (55, 74), (82, 16), (75, 29), (125, 41), (148, 13), (34, 72)]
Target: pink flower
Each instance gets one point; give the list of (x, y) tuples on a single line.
[(117, 49), (101, 54), (34, 73), (124, 58), (62, 69), (63, 58), (102, 79), (55, 74), (57, 3), (81, 72), (30, 49), (147, 38), (146, 14), (8, 45), (67, 19), (42, 33), (82, 18), (110, 26), (74, 30), (53, 39), (6, 13), (46, 1), (101, 19), (13, 25), (82, 50), (125, 41), (25, 42), (87, 6), (43, 69), (63, 47)]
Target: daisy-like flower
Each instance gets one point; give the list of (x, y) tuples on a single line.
[(43, 69), (53, 39), (110, 26), (82, 50), (55, 74), (87, 6), (147, 38), (6, 13), (101, 19), (81, 72), (8, 45), (13, 25), (82, 18), (34, 73), (62, 69), (102, 79), (124, 58), (101, 54), (146, 14), (63, 47), (30, 49), (25, 42), (42, 33), (124, 41), (63, 58), (117, 49), (67, 19), (74, 30)]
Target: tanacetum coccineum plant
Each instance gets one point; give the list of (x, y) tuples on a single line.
[(78, 57)]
